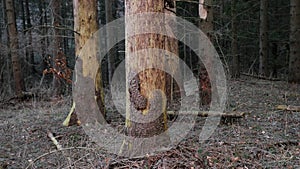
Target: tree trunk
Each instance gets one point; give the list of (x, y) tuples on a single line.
[(234, 44), (85, 24), (57, 51), (142, 102), (294, 63), (7, 75), (263, 38), (43, 21), (23, 16), (111, 55), (207, 26), (13, 38), (29, 51), (173, 87)]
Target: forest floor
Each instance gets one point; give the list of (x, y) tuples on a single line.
[(265, 138)]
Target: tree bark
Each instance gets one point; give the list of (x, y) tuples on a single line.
[(13, 43), (294, 63)]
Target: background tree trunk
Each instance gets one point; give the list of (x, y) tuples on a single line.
[(14, 46), (294, 63), (263, 35), (173, 87), (29, 49), (234, 43), (111, 55), (57, 47), (207, 26)]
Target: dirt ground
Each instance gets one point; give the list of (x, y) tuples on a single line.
[(265, 138)]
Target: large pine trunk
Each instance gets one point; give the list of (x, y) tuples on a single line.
[(142, 84), (294, 64)]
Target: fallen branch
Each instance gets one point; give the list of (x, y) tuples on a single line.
[(31, 162), (261, 77), (53, 139), (288, 108), (206, 113)]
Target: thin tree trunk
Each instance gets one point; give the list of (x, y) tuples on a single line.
[(29, 51), (263, 36), (7, 75), (23, 15), (234, 44), (173, 87), (111, 55), (207, 26), (57, 51), (294, 63), (13, 37)]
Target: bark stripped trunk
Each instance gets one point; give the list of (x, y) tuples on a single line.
[(294, 64), (85, 24), (263, 36), (13, 43), (141, 86)]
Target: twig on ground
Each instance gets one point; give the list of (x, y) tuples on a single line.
[(55, 151), (289, 107), (53, 139)]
